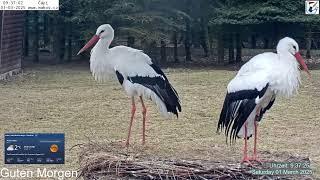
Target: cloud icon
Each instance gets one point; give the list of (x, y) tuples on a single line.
[(10, 148)]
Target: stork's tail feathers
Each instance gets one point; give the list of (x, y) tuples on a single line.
[(240, 109), (171, 97), (167, 106), (167, 100), (172, 103), (233, 116), (159, 89)]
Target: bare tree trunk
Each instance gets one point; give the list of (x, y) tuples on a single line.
[(220, 48), (56, 42), (253, 41), (187, 43), (69, 48), (204, 4), (46, 29), (69, 32), (204, 37), (26, 35), (231, 49), (163, 53), (265, 43), (35, 34), (62, 43), (152, 49), (275, 34), (175, 48), (308, 45), (59, 42), (239, 48), (130, 41), (211, 41)]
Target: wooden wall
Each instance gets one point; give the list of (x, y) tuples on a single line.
[(11, 40)]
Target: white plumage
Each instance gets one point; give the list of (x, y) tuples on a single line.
[(129, 62), (254, 89), (134, 70), (281, 72)]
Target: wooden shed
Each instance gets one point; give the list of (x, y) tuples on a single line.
[(11, 42)]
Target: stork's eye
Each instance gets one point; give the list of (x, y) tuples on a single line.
[(101, 31), (295, 48)]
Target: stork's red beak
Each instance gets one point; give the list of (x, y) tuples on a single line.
[(90, 43), (302, 63)]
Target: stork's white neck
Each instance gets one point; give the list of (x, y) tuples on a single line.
[(288, 60), (288, 74), (103, 45), (101, 63)]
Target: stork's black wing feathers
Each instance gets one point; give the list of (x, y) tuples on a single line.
[(120, 77), (263, 110), (161, 86), (159, 71), (236, 109)]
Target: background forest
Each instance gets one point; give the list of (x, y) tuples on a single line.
[(200, 45), (210, 31)]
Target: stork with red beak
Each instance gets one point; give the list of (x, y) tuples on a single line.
[(135, 72), (254, 89)]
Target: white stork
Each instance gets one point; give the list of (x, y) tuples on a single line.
[(254, 89), (135, 72)]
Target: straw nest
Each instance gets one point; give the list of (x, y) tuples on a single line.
[(109, 162)]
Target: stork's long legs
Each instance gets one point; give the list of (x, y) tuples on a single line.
[(255, 157), (133, 110), (245, 149), (255, 140), (144, 113)]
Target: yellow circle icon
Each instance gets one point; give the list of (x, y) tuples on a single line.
[(54, 148)]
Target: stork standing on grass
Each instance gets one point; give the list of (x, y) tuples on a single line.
[(135, 72), (254, 89)]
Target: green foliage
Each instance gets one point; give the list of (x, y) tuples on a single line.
[(195, 22), (261, 11), (148, 20)]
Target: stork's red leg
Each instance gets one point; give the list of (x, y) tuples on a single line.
[(245, 148), (255, 157), (144, 113), (255, 140), (133, 110)]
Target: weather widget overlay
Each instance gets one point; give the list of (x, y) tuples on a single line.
[(38, 148)]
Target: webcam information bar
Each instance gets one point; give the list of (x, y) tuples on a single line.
[(29, 5)]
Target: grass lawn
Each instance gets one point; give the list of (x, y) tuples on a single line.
[(65, 98)]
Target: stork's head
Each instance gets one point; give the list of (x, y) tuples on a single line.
[(289, 45), (105, 32)]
